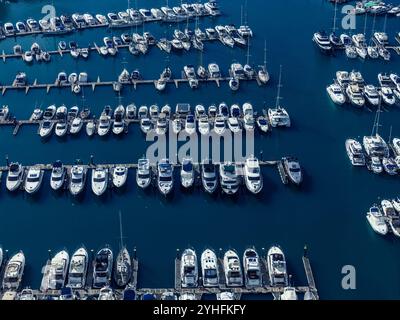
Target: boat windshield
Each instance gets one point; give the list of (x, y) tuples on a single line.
[(32, 179), (101, 179), (59, 178), (76, 180), (13, 178), (165, 179), (143, 175), (210, 273)]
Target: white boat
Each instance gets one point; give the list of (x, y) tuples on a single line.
[(130, 111), (160, 84), (336, 94), (375, 165), (189, 269), (124, 77), (106, 293), (33, 180), (236, 111), (293, 169), (190, 124), (355, 152), (45, 128), (237, 71), (234, 84), (187, 173), (225, 295), (232, 269), (262, 123), (119, 176), (77, 180), (396, 80), (76, 126), (77, 270), (392, 216), (377, 220), (143, 173), (249, 123), (278, 117), (373, 52), (343, 78), (104, 125), (58, 174), (15, 176), (382, 38), (14, 271), (223, 110), (26, 294), (390, 166), (289, 293), (355, 95), (276, 263), (252, 175), (37, 114), (212, 7), (90, 128), (153, 111), (375, 145), (165, 177), (58, 269), (119, 123), (20, 80), (252, 268), (177, 126), (219, 125), (396, 145), (145, 125), (384, 53), (387, 96), (204, 125), (99, 180), (209, 268), (372, 95), (233, 124), (229, 179), (396, 204), (321, 39), (143, 112), (162, 124), (102, 267), (209, 177)]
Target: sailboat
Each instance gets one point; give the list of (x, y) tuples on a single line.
[(278, 116), (372, 50), (333, 38), (262, 73), (123, 263), (248, 70), (374, 145)]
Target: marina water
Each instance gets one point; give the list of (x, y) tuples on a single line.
[(327, 213)]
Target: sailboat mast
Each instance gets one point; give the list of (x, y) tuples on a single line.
[(279, 87), (365, 24), (245, 13), (334, 18), (120, 230)]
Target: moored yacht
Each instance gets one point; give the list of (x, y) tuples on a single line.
[(102, 267), (119, 176), (277, 267), (15, 176), (377, 220), (99, 180), (58, 174), (143, 173), (78, 269), (123, 268), (355, 95), (390, 166), (209, 268), (252, 175), (219, 125), (33, 180), (165, 178), (229, 179), (355, 152), (58, 270), (375, 146), (187, 173), (209, 177), (77, 180), (204, 125), (289, 293), (372, 95), (14, 271), (322, 41), (387, 96), (233, 269), (293, 169), (336, 94), (392, 216), (252, 269), (104, 125), (189, 269)]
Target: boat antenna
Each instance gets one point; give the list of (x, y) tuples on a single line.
[(334, 18), (278, 97), (248, 51), (120, 230)]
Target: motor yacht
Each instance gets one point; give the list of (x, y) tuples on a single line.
[(161, 127), (33, 180), (209, 268), (145, 125), (249, 123), (104, 125), (276, 263), (233, 124), (58, 269), (387, 96), (262, 123), (14, 271), (252, 175), (375, 146), (236, 70), (373, 52), (372, 95), (46, 128), (58, 174), (343, 78), (119, 123), (321, 39), (396, 145), (78, 179), (232, 269), (293, 170), (252, 268), (77, 270), (190, 124), (390, 166), (99, 180), (392, 216), (102, 267), (90, 128), (396, 80), (76, 126), (189, 269), (336, 94), (229, 179), (187, 173), (143, 173), (219, 125), (119, 176), (212, 111), (355, 95), (15, 176), (165, 177), (384, 53), (355, 152), (209, 177), (177, 126)]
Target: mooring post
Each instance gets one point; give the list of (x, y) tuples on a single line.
[(7, 162), (6, 254), (134, 253), (92, 253), (91, 160), (305, 251), (220, 253), (177, 253), (49, 253), (261, 155)]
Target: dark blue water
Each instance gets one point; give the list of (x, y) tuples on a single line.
[(327, 213)]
